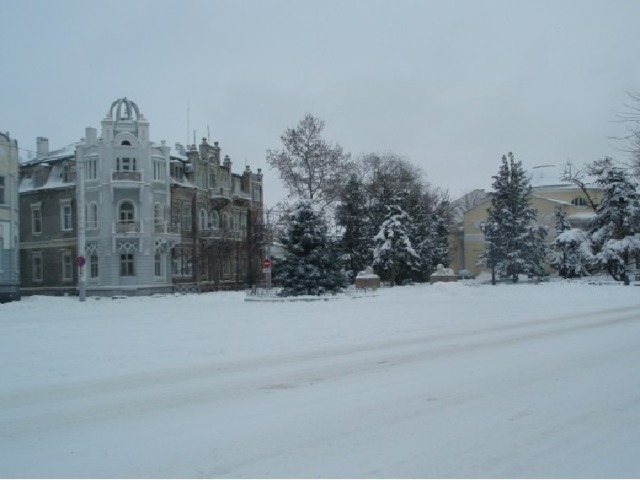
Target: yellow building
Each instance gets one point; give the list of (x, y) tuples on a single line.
[(547, 194)]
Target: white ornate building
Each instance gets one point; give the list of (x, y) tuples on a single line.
[(9, 219), (126, 187)]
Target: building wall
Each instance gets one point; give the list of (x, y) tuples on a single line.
[(9, 220), (544, 200), (219, 247), (49, 240)]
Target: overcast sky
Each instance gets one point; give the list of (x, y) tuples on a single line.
[(451, 85)]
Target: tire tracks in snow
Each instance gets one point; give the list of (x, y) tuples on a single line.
[(43, 408)]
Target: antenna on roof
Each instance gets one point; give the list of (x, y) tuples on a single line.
[(187, 142), (208, 135)]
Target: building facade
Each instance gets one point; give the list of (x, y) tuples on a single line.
[(119, 214), (220, 217), (9, 220), (548, 193)]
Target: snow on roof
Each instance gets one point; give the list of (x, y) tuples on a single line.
[(552, 200), (67, 151), (551, 176), (548, 175)]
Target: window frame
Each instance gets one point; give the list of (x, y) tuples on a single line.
[(67, 266), (187, 224), (92, 216), (158, 265), (203, 220), (94, 266), (36, 219), (66, 215), (121, 211), (91, 170), (37, 267), (127, 264)]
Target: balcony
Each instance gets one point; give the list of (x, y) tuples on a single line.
[(220, 234), (129, 228), (219, 192), (166, 228), (126, 176)]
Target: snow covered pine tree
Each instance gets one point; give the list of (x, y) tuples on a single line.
[(394, 258), (311, 265), (615, 231), (570, 251), (514, 244)]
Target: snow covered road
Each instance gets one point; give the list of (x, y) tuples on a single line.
[(514, 393)]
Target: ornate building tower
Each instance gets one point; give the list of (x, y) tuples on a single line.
[(125, 190)]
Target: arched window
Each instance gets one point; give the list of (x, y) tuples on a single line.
[(579, 202), (203, 224), (215, 219), (92, 215), (126, 142), (126, 212)]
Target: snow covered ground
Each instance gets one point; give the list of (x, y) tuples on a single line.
[(448, 380)]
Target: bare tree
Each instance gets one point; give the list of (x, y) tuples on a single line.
[(308, 165), (630, 116), (579, 177)]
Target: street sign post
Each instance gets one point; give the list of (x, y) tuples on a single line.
[(266, 269)]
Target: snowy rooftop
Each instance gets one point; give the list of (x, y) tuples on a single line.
[(54, 155), (548, 175)]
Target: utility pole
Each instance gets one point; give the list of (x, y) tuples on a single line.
[(81, 254)]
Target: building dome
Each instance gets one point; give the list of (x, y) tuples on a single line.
[(124, 109)]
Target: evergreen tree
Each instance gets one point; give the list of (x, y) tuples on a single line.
[(512, 246), (352, 215), (615, 231), (571, 249), (440, 236), (311, 265), (421, 235), (394, 258)]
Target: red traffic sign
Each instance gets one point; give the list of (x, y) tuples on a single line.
[(266, 263)]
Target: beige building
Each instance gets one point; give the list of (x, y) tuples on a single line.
[(547, 194)]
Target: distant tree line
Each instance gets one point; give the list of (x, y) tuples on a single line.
[(377, 210), (344, 214)]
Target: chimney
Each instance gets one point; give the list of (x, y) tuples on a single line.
[(42, 146), (227, 162), (90, 135)]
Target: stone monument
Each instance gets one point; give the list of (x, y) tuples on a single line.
[(443, 275), (367, 279)]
